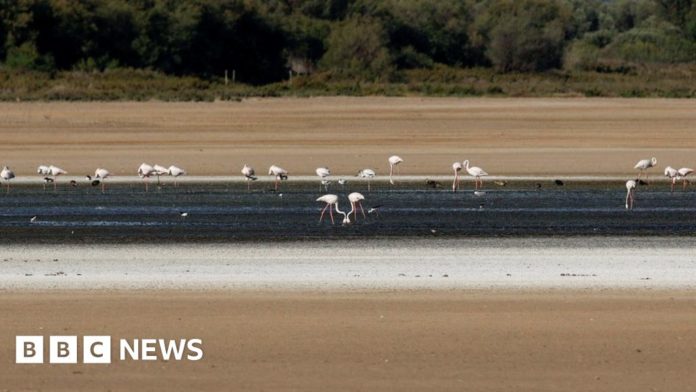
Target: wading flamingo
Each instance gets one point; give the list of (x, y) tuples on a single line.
[(159, 170), (367, 173), (672, 174), (476, 172), (249, 173), (356, 199), (681, 176), (55, 171), (7, 175), (457, 167), (643, 165), (279, 173), (394, 160), (102, 174), (323, 172), (145, 171), (332, 200), (175, 172), (630, 193)]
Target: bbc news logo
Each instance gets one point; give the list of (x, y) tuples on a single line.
[(97, 349)]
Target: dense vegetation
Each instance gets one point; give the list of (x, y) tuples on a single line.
[(167, 49)]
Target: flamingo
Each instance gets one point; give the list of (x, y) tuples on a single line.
[(394, 160), (476, 172), (331, 200), (367, 173), (630, 193), (7, 175), (645, 164), (44, 171), (279, 173), (55, 171), (102, 174), (682, 173), (323, 172), (175, 172), (355, 199), (248, 173), (672, 174), (145, 171), (160, 170), (457, 167)]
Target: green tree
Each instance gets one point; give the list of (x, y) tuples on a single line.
[(357, 47)]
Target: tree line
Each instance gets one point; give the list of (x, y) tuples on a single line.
[(372, 40)]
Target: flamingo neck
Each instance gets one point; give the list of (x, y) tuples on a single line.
[(466, 163)]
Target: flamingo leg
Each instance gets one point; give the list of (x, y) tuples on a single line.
[(454, 183), (672, 186), (362, 210), (8, 187), (55, 184), (391, 171), (146, 184), (103, 186), (684, 185), (368, 185), (331, 214), (248, 185), (322, 213), (276, 184)]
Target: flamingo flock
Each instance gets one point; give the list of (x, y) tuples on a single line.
[(145, 171)]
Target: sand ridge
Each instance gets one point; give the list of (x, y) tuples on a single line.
[(507, 136)]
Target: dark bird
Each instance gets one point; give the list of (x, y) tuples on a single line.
[(95, 183), (538, 185), (73, 183), (558, 182), (641, 182), (48, 180), (88, 177), (433, 184)]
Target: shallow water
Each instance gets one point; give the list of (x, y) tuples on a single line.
[(126, 213)]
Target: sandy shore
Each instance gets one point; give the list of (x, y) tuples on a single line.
[(531, 137), (453, 340), (403, 264)]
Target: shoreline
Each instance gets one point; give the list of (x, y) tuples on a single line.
[(427, 264)]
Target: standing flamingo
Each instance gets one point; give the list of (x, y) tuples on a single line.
[(55, 171), (630, 193), (476, 172), (367, 173), (249, 173), (356, 199), (7, 175), (672, 174), (645, 164), (102, 174), (145, 171), (279, 173), (159, 170), (331, 200), (175, 172), (323, 172), (682, 173), (394, 160), (457, 167)]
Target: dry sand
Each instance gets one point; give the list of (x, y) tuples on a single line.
[(458, 340), (515, 136)]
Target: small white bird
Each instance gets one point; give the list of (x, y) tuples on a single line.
[(183, 214), (145, 171), (249, 174), (367, 173), (101, 174), (55, 171), (331, 200), (33, 219), (44, 171), (476, 172), (394, 160), (630, 193), (645, 164), (323, 172), (279, 173), (356, 199), (175, 172), (457, 167), (6, 174)]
